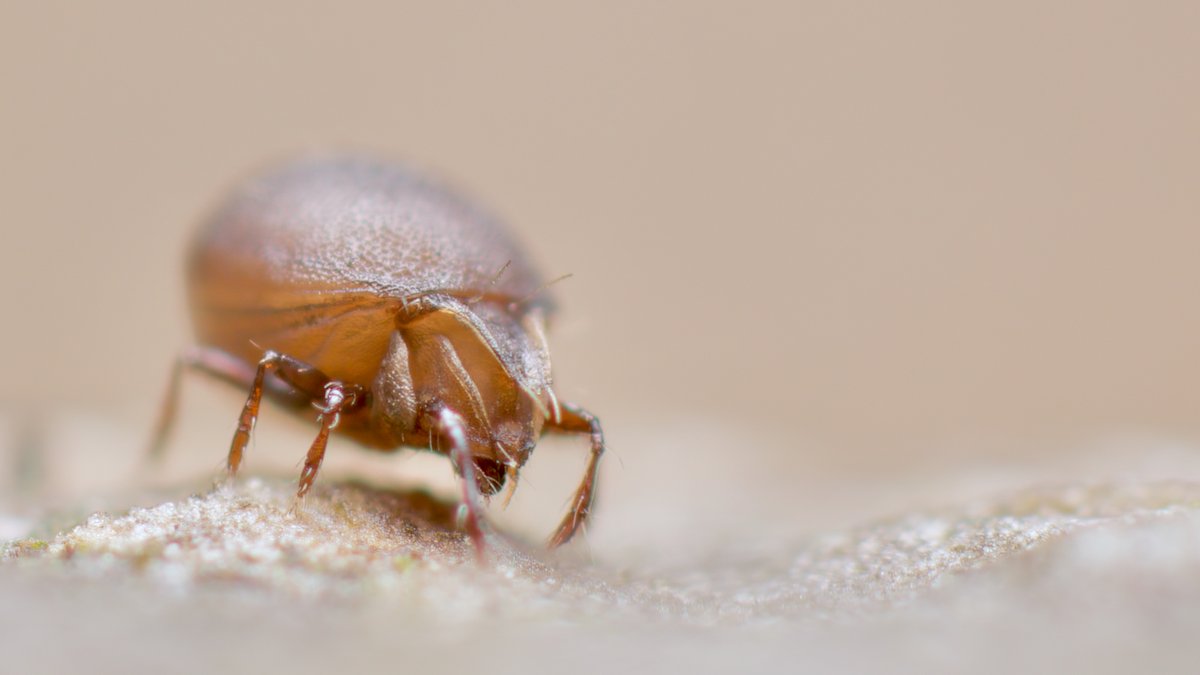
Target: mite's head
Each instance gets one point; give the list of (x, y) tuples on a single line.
[(488, 362)]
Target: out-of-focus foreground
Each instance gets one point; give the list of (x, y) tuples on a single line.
[(1072, 578)]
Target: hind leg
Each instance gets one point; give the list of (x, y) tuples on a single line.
[(221, 365), (295, 384)]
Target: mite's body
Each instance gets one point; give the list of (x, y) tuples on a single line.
[(406, 315)]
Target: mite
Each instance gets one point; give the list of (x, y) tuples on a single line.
[(404, 314)]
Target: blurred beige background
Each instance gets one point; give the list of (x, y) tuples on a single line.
[(849, 235)]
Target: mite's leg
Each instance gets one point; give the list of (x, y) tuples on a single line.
[(219, 364), (303, 378), (337, 397), (575, 420), (451, 427)]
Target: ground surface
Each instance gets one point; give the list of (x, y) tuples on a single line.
[(1101, 576)]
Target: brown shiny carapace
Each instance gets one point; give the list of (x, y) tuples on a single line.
[(403, 313)]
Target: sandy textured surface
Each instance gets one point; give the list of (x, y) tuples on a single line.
[(364, 579)]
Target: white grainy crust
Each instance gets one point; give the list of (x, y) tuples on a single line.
[(1081, 576)]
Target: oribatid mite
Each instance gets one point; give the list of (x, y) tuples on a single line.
[(406, 315)]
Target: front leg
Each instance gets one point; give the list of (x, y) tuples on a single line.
[(450, 426), (574, 420)]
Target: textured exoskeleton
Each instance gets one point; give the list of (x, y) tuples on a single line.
[(407, 315)]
